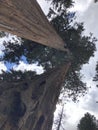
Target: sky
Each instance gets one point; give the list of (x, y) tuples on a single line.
[(86, 11)]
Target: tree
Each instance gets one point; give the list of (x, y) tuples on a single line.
[(30, 103), (82, 48), (95, 1), (37, 95), (96, 76), (59, 121), (79, 45), (26, 19), (88, 122)]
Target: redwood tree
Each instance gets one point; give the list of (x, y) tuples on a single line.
[(26, 19)]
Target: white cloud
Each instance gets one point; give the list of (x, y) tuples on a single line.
[(1, 46), (88, 16), (2, 67), (81, 5), (27, 67), (90, 100), (1, 52), (44, 5), (7, 38), (75, 111)]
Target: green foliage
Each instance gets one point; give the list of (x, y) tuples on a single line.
[(88, 122), (82, 48), (13, 75), (61, 5), (2, 34), (33, 52), (95, 1), (96, 76), (74, 85)]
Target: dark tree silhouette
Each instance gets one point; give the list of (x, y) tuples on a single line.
[(96, 76), (88, 122)]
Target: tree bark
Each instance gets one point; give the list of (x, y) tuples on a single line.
[(25, 18), (30, 104)]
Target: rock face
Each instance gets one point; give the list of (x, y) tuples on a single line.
[(30, 104), (25, 18)]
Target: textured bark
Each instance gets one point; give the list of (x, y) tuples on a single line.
[(29, 105), (25, 18)]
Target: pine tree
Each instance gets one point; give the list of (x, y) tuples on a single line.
[(96, 76), (88, 122)]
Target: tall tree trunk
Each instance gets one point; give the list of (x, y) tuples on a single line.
[(25, 18), (30, 104)]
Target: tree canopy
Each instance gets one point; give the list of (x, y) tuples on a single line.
[(96, 76), (88, 122)]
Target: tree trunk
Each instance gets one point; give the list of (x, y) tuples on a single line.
[(30, 104), (25, 18)]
